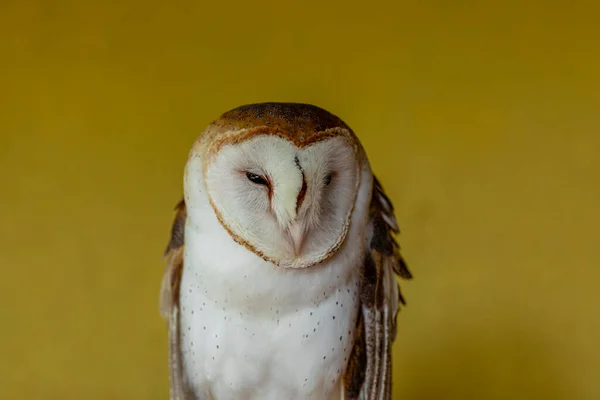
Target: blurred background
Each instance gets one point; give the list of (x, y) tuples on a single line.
[(480, 118)]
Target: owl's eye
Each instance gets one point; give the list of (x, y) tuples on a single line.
[(327, 179), (254, 178)]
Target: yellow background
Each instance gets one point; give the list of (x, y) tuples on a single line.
[(480, 118)]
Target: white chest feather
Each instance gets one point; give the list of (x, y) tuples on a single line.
[(252, 330)]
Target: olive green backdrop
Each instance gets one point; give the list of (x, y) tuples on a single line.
[(481, 119)]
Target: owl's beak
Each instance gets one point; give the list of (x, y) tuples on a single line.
[(297, 234)]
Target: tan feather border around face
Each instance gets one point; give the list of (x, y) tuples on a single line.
[(236, 136)]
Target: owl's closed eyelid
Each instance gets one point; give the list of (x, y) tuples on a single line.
[(259, 180)]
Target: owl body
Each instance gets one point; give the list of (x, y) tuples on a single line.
[(280, 281)]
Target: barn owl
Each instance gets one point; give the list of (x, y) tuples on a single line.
[(281, 268)]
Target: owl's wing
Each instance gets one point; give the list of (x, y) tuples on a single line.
[(169, 304), (368, 376)]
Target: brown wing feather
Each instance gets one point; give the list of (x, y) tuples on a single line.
[(368, 375), (169, 303)]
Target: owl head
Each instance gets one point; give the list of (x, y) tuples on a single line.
[(281, 178)]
